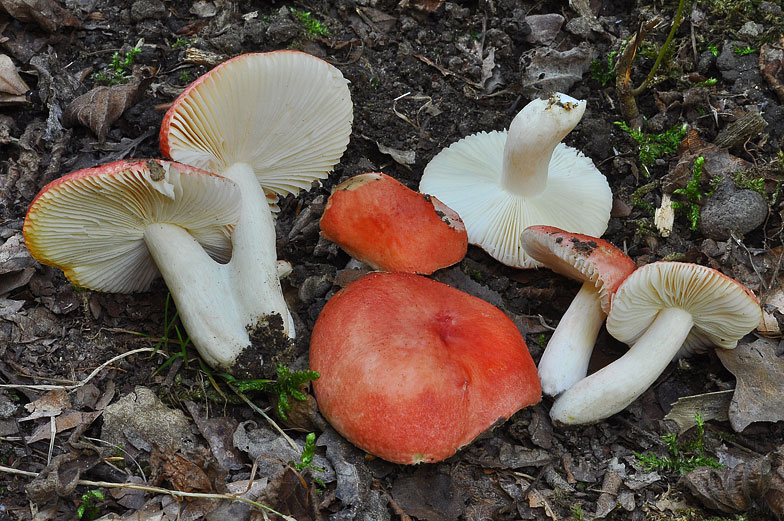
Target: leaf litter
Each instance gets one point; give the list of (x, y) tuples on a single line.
[(524, 468)]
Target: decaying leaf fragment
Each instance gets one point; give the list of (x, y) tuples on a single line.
[(759, 392), (48, 14), (102, 106), (710, 406), (733, 489), (12, 86)]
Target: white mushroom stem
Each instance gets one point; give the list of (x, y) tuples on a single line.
[(615, 386), (565, 359), (254, 263), (533, 135), (219, 303), (202, 292)]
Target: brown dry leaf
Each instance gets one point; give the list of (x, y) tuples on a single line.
[(733, 489), (50, 404), (12, 86), (102, 106), (48, 14), (759, 392), (63, 422), (771, 64), (184, 475), (710, 406), (290, 494), (219, 434)]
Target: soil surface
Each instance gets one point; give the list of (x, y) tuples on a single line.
[(423, 74)]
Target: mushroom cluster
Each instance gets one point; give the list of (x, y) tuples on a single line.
[(264, 124), (411, 369)]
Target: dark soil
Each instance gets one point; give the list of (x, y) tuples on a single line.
[(423, 75)]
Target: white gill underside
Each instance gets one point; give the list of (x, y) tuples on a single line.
[(103, 249), (466, 178), (286, 114)]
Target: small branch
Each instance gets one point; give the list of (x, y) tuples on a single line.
[(158, 490), (48, 387)]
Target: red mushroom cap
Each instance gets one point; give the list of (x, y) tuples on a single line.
[(412, 369), (579, 257), (381, 222)]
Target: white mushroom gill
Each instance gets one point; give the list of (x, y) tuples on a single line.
[(502, 182)]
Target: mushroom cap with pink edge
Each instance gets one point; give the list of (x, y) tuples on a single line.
[(723, 309), (285, 113), (90, 223), (579, 257), (412, 369), (382, 222)]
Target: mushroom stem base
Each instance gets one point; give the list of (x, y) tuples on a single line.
[(565, 359), (618, 384)]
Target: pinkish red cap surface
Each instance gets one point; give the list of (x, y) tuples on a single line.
[(580, 257), (381, 222), (412, 369)]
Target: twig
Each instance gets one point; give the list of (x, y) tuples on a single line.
[(47, 387), (265, 416), (158, 490)]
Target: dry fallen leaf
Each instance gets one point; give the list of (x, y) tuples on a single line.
[(102, 106), (733, 489), (48, 14), (50, 404), (759, 392), (710, 406), (63, 422), (12, 86)]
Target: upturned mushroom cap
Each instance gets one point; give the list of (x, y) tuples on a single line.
[(502, 182), (90, 223), (723, 310), (385, 224), (579, 257), (412, 369), (287, 114)]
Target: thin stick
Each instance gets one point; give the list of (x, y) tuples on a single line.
[(265, 415), (47, 387), (157, 490)]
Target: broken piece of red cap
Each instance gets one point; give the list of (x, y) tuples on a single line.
[(412, 369), (601, 267), (383, 223)]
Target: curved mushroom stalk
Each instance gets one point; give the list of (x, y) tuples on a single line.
[(253, 269), (532, 137), (663, 309), (601, 267), (565, 359), (202, 291), (612, 388)]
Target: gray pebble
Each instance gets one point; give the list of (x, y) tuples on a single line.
[(732, 210)]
